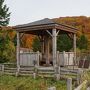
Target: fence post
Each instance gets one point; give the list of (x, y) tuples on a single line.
[(57, 72), (34, 75), (35, 71), (17, 72), (79, 73), (58, 62), (64, 58), (52, 88), (37, 58), (3, 69), (88, 88), (69, 84)]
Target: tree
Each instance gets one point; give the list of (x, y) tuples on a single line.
[(6, 45), (4, 14), (36, 45), (64, 43), (7, 49), (82, 42)]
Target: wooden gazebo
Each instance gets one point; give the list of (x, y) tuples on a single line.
[(46, 29)]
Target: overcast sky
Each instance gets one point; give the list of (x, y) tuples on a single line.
[(25, 11)]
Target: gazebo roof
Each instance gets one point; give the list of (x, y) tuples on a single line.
[(44, 24), (39, 22)]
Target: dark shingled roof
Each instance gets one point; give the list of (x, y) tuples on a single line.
[(39, 22), (45, 21)]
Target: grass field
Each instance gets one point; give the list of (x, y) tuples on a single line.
[(28, 83)]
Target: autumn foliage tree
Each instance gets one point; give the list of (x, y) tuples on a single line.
[(7, 48)]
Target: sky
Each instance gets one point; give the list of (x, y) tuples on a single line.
[(26, 11)]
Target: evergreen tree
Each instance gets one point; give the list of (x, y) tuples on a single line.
[(36, 45), (64, 43), (6, 45), (82, 42), (4, 14)]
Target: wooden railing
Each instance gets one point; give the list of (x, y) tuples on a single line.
[(65, 58), (29, 59), (82, 85)]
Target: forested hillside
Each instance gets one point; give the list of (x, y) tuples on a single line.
[(80, 22)]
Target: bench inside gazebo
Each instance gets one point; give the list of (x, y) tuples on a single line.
[(47, 30)]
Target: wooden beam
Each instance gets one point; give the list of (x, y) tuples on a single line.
[(21, 35), (47, 49), (70, 35), (41, 38), (18, 50), (49, 33), (74, 46), (58, 32), (54, 46)]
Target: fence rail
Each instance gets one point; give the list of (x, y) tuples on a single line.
[(41, 71)]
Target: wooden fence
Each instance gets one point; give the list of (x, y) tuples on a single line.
[(65, 58), (36, 71), (29, 58), (41, 71)]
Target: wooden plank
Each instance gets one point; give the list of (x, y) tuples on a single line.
[(52, 88), (81, 85)]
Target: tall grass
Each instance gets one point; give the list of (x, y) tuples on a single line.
[(28, 83)]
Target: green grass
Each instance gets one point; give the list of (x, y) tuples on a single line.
[(8, 82)]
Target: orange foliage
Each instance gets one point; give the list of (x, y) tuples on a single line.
[(27, 40)]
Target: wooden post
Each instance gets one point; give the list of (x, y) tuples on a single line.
[(34, 75), (79, 73), (74, 46), (58, 60), (57, 73), (37, 64), (42, 45), (47, 49), (2, 69), (64, 60), (18, 52), (54, 46), (69, 84)]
